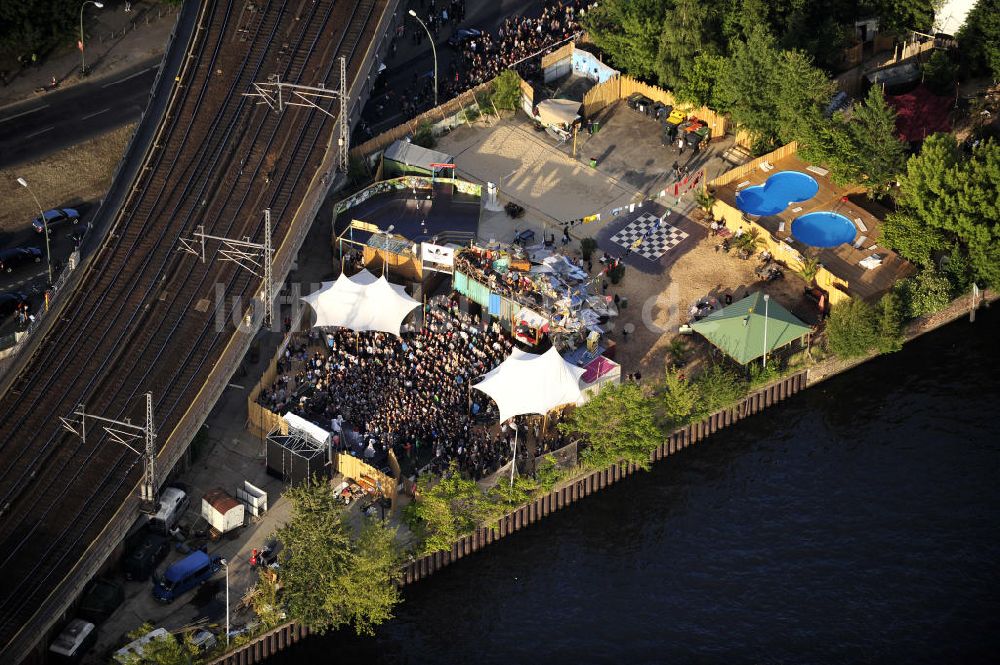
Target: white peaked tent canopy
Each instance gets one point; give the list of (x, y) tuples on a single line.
[(362, 302), (532, 383)]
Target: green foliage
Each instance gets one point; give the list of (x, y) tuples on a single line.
[(357, 171), (619, 424), (705, 200), (889, 323), (925, 293), (587, 247), (685, 34), (697, 85), (677, 350), (680, 398), (165, 650), (507, 90), (36, 26), (424, 136), (719, 387), (941, 73), (331, 580), (749, 242), (809, 270), (979, 39), (264, 600), (629, 32), (616, 273), (849, 330), (948, 200), (761, 374), (447, 509)]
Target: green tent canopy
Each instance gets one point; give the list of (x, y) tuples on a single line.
[(738, 329)]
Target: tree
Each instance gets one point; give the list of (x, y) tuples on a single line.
[(882, 154), (447, 509), (629, 32), (745, 88), (329, 579), (685, 34), (265, 603), (619, 424), (680, 397), (36, 26), (802, 91), (941, 73), (697, 84), (949, 200), (979, 39), (849, 330), (507, 90), (718, 387), (889, 323)]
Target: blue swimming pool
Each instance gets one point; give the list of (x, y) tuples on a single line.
[(777, 193), (823, 229)]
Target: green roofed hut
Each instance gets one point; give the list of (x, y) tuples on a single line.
[(405, 158), (738, 329)]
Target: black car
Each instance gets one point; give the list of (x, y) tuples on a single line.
[(16, 256), (463, 35), (10, 301), (53, 217), (144, 556)]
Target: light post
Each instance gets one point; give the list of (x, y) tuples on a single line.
[(225, 564), (766, 299), (45, 225), (83, 61), (430, 38)]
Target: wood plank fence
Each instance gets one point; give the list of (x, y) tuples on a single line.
[(745, 169), (621, 87)]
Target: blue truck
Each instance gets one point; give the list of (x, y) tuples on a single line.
[(188, 573)]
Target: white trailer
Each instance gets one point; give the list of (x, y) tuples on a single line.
[(222, 511)]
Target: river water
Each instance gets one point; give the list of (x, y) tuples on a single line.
[(857, 522)]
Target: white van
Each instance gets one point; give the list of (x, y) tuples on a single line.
[(173, 503), (132, 652), (74, 641)]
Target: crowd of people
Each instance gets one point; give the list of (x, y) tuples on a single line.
[(411, 393), (481, 57)]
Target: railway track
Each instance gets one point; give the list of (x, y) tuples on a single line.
[(139, 320)]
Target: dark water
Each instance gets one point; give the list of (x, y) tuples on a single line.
[(855, 523)]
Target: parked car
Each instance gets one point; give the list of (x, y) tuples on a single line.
[(173, 503), (132, 652), (463, 35), (203, 640), (10, 301), (142, 559), (100, 600), (55, 216), (17, 256), (73, 642), (193, 570)]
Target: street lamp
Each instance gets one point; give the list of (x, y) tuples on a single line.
[(225, 564), (430, 38), (83, 61), (766, 299), (45, 224)]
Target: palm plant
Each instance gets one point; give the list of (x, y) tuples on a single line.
[(705, 200), (809, 270)]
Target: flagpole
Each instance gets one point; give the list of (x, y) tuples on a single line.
[(513, 462)]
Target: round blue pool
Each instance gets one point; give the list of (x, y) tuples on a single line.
[(823, 229), (777, 193)]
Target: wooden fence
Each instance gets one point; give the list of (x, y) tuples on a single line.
[(263, 647), (561, 53), (748, 168), (593, 482), (621, 87), (436, 114)]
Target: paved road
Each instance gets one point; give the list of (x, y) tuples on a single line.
[(61, 118)]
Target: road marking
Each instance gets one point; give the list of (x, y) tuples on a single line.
[(233, 385), (130, 76), (41, 131), (39, 108), (87, 117)]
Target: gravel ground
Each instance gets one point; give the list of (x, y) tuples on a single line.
[(68, 178)]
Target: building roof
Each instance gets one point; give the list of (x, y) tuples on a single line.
[(411, 154), (220, 500), (738, 329)]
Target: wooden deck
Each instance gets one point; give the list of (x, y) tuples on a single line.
[(843, 261)]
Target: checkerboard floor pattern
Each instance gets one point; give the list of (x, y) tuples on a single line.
[(656, 245)]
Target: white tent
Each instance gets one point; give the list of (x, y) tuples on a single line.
[(362, 302), (301, 426), (558, 112), (532, 383)]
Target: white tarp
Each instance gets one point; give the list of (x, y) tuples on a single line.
[(532, 383), (439, 254), (558, 112), (362, 302), (303, 427)]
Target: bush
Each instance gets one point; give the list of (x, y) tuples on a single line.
[(889, 323), (680, 398), (719, 387), (424, 136), (616, 273), (925, 293), (507, 90), (619, 425), (849, 330), (587, 247)]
